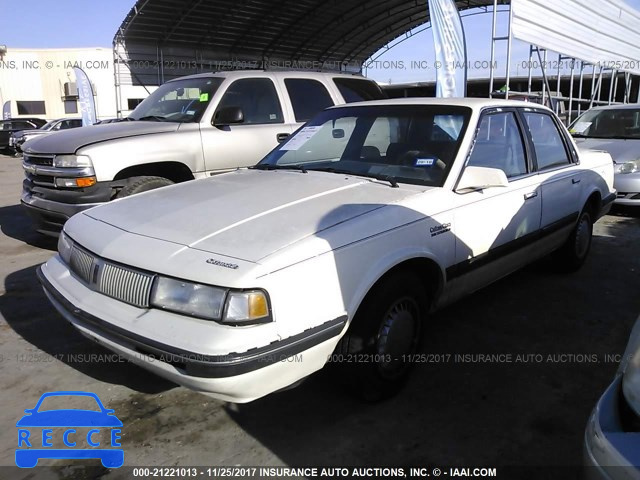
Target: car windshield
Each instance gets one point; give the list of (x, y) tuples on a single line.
[(180, 101), (414, 144), (608, 123), (48, 125)]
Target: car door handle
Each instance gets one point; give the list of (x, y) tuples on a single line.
[(530, 195), (575, 181), (281, 137)]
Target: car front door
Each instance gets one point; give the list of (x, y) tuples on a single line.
[(495, 227), (244, 144)]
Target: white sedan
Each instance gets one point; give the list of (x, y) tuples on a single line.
[(334, 248)]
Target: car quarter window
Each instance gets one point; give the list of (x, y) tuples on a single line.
[(308, 97), (499, 145), (358, 89), (547, 142), (258, 99)]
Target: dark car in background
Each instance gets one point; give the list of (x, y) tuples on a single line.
[(7, 127), (19, 137)]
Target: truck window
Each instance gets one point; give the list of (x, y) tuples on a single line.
[(547, 142), (308, 97), (358, 90), (258, 99)]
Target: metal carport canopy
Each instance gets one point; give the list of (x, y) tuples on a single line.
[(344, 33)]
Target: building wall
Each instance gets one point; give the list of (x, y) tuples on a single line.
[(40, 75)]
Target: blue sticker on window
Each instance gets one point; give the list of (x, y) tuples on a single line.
[(425, 162)]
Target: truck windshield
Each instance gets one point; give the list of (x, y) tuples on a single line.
[(414, 144), (178, 101), (623, 123)]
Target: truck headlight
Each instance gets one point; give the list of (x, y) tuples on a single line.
[(211, 303), (72, 161), (630, 368), (64, 247), (630, 167)]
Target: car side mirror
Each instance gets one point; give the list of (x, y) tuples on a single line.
[(479, 178), (228, 116)]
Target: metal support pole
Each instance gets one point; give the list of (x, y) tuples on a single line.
[(509, 38), (615, 88), (530, 76), (493, 45), (570, 113), (580, 87)]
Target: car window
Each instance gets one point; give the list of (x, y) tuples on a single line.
[(547, 142), (66, 124), (22, 125), (358, 90), (499, 145), (68, 402), (258, 99), (608, 123), (308, 97)]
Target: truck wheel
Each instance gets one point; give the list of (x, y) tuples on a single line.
[(572, 255), (143, 184), (375, 353)]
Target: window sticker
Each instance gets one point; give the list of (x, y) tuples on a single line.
[(302, 137), (273, 116), (204, 97), (425, 162), (580, 127), (190, 112)]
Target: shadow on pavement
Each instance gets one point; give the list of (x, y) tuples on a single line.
[(15, 223), (27, 311)]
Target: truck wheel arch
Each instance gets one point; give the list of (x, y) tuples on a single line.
[(175, 171)]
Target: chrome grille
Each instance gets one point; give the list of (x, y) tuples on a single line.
[(45, 160), (124, 284), (81, 264)]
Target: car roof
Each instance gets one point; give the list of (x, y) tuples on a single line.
[(625, 106), (474, 103)]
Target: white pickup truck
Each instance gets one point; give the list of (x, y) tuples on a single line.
[(191, 127), (335, 247)]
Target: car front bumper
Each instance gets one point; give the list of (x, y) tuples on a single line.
[(610, 452), (236, 377), (628, 187)]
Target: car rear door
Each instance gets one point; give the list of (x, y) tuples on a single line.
[(556, 162)]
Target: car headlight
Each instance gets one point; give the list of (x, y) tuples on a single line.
[(210, 303), (72, 161), (630, 167), (64, 247), (630, 368)]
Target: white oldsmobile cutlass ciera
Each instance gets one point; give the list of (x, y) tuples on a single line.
[(337, 244)]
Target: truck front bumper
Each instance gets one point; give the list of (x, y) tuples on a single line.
[(50, 208), (236, 377)]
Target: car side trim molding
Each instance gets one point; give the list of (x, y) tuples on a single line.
[(497, 253), (192, 363)]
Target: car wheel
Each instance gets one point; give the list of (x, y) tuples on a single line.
[(143, 184), (572, 255), (376, 351)]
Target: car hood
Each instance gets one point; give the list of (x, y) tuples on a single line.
[(69, 418), (34, 132), (620, 150), (69, 141), (249, 214)]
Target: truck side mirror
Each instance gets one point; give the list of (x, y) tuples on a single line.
[(228, 116)]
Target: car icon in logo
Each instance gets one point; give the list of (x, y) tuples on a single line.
[(82, 432)]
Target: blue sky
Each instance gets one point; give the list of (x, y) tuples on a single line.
[(80, 23)]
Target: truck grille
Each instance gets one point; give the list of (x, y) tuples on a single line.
[(121, 283), (44, 160)]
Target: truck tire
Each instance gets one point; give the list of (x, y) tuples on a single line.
[(375, 354), (143, 184), (572, 255)]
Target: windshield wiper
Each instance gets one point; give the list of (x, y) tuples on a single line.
[(384, 178), (156, 118), (267, 166)]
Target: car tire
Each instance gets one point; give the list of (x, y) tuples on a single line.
[(143, 184), (572, 255), (374, 354)]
